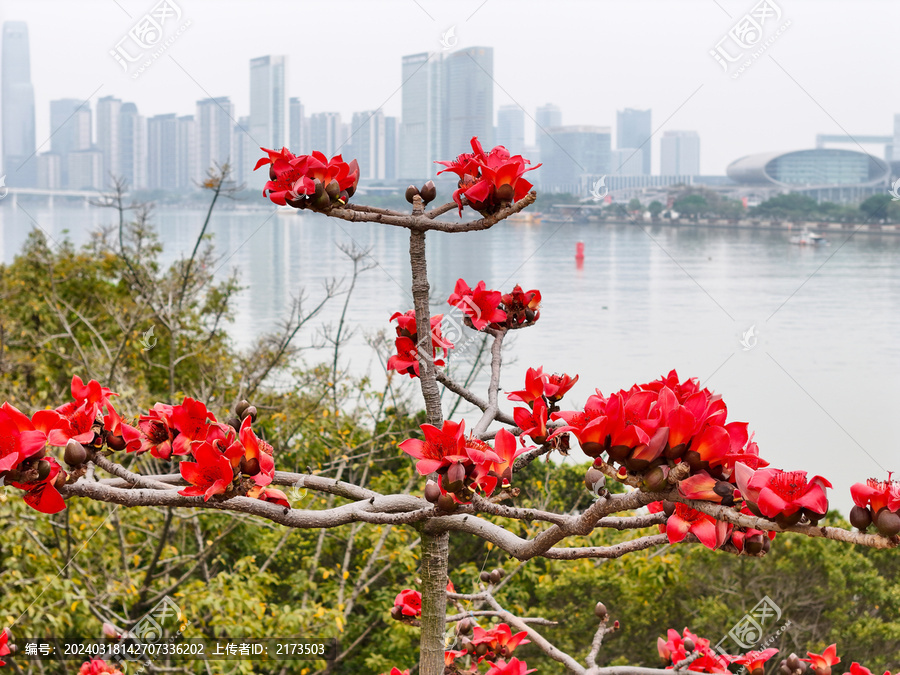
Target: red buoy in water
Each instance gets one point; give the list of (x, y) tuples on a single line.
[(579, 250)]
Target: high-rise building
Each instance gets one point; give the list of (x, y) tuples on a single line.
[(268, 105), (108, 132), (469, 100), (368, 143), (49, 171), (679, 153), (245, 155), (17, 107), (325, 133), (132, 146), (86, 169), (626, 162), (546, 117), (215, 122), (570, 152), (187, 168), (633, 130), (299, 128), (422, 119), (511, 128), (391, 148), (70, 122), (161, 152)]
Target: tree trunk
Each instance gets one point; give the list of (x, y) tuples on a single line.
[(434, 545), (434, 602)]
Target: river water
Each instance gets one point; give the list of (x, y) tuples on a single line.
[(818, 378)]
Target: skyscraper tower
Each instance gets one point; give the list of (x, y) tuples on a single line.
[(268, 105), (108, 140), (633, 130), (469, 99), (17, 93), (422, 121)]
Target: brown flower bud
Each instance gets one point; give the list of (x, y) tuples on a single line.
[(60, 480), (428, 192), (411, 192), (432, 491), (43, 469), (485, 576), (495, 577), (668, 507), (600, 611), (505, 193), (114, 442), (689, 645), (753, 544), (74, 455), (887, 522), (445, 503), (249, 466), (793, 662), (241, 406), (396, 613)]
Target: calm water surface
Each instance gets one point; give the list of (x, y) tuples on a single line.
[(820, 387)]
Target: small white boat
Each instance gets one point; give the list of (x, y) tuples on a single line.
[(808, 238)]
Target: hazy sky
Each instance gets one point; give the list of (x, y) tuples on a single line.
[(831, 69)]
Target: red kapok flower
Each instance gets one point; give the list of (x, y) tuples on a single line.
[(824, 661), (499, 639), (522, 306), (784, 493), (309, 181), (756, 659), (4, 648), (41, 493), (558, 386), (441, 447), (856, 669), (406, 360), (409, 602), (191, 419), (157, 432), (712, 533), (877, 494), (533, 422), (535, 384), (210, 475), (507, 449), (258, 455), (19, 440), (269, 494), (480, 305), (514, 667), (489, 181), (397, 671), (98, 667), (126, 436)]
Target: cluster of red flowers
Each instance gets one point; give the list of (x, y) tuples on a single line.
[(483, 307), (489, 181), (876, 502), (4, 646), (98, 667), (90, 423), (542, 393), (406, 360), (464, 465), (308, 181), (650, 428), (678, 646)]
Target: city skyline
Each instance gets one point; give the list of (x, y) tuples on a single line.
[(671, 72)]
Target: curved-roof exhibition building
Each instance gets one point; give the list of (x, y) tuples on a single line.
[(822, 167)]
